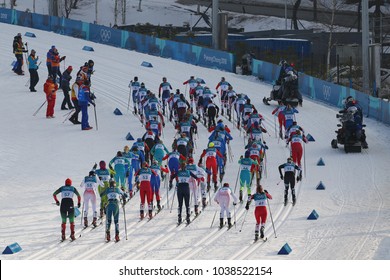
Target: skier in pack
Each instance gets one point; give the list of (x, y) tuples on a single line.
[(150, 139), (289, 178), (119, 169), (159, 151), (293, 128), (156, 182), (246, 166), (134, 87), (212, 112), (104, 176), (183, 191), (192, 83), (174, 158), (166, 88), (211, 154), (183, 145), (260, 197), (114, 195), (297, 140), (90, 185), (130, 156), (194, 189), (224, 85), (143, 176), (223, 197), (277, 112), (289, 116), (67, 206), (181, 106)]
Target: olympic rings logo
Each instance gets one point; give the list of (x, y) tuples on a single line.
[(326, 91), (105, 35)]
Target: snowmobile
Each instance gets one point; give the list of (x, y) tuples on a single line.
[(350, 133), (289, 93)]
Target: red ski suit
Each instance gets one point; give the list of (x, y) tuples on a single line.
[(211, 162)]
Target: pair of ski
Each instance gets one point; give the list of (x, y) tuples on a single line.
[(257, 239), (228, 228), (70, 239), (190, 221), (153, 215)]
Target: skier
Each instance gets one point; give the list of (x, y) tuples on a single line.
[(246, 166), (192, 84), (134, 86), (223, 197), (297, 140), (113, 194), (183, 191), (165, 87), (156, 181), (277, 112), (212, 112), (67, 206), (211, 163), (50, 88), (143, 176), (104, 177), (289, 116), (224, 85), (173, 164), (119, 169), (289, 178), (90, 184), (260, 197), (200, 173), (159, 151)]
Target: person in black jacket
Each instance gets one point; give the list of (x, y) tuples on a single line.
[(65, 85)]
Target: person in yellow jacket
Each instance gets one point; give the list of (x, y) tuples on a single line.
[(19, 50)]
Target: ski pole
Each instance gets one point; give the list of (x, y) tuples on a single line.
[(128, 102), (82, 214), (173, 199), (124, 215), (304, 157), (244, 220), (28, 81), (214, 218), (238, 174), (279, 182), (272, 220), (94, 108), (36, 112), (235, 221)]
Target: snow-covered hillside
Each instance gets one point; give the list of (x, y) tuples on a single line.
[(38, 154)]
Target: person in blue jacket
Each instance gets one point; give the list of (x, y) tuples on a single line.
[(84, 98), (33, 69)]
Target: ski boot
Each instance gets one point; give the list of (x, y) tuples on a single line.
[(281, 134), (170, 185), (294, 200), (130, 195), (262, 232), (150, 213), (101, 213), (229, 223), (240, 196), (63, 227), (141, 214), (179, 220), (220, 222), (94, 222), (158, 205), (72, 231), (117, 237), (85, 222), (108, 237), (196, 210), (204, 202), (215, 187), (208, 186), (256, 235), (285, 201)]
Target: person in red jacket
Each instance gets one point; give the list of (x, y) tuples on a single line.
[(50, 88), (297, 140), (211, 163)]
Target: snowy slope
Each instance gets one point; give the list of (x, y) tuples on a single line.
[(39, 154)]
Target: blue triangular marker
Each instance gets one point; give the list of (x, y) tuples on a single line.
[(285, 250), (313, 215), (321, 162), (88, 49), (146, 64), (117, 112), (310, 138), (30, 34), (11, 249), (320, 186), (129, 136)]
